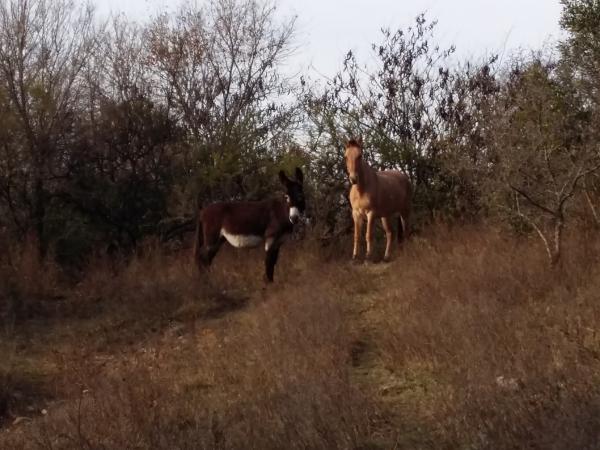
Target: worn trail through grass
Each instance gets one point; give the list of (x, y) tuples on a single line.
[(451, 345)]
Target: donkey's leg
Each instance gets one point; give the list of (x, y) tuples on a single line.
[(389, 236), (212, 250), (358, 221), (369, 234), (270, 261), (199, 246), (212, 243)]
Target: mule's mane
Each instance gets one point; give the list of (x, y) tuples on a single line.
[(353, 143)]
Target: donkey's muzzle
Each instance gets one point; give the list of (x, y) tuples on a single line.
[(294, 215), (353, 179)]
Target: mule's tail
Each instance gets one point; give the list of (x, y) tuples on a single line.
[(403, 227), (401, 230), (198, 240), (404, 219)]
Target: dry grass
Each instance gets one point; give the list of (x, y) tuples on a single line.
[(467, 340), (149, 355), (503, 352)]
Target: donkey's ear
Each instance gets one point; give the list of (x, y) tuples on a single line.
[(299, 175), (283, 178)]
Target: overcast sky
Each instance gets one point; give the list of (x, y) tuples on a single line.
[(327, 29)]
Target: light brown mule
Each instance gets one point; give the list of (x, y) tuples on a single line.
[(376, 194)]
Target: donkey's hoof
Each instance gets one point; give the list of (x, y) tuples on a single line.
[(387, 259), (355, 260)]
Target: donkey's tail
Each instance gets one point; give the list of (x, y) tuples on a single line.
[(198, 240)]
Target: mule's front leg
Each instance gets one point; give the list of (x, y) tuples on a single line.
[(270, 261), (369, 234), (358, 220)]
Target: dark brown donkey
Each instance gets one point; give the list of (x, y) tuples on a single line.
[(249, 224), (376, 194)]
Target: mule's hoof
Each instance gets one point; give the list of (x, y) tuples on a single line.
[(387, 259), (355, 260)]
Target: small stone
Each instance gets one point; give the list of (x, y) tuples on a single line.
[(18, 420), (507, 383)]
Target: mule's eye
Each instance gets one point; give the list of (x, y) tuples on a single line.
[(287, 198)]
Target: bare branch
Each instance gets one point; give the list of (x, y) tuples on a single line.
[(527, 197)]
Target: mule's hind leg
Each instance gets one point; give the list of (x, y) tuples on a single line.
[(270, 261), (387, 226)]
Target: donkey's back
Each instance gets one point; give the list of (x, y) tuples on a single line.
[(241, 218)]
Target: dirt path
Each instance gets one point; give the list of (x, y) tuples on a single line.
[(166, 339), (397, 394)]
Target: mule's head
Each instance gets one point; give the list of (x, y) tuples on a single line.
[(353, 157), (294, 193)]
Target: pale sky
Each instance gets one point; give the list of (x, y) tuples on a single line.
[(327, 29)]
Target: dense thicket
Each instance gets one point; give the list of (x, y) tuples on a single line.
[(112, 132)]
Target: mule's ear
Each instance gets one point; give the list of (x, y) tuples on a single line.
[(299, 175), (283, 178)]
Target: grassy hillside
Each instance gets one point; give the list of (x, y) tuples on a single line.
[(465, 340)]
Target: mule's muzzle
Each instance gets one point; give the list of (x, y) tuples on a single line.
[(353, 179)]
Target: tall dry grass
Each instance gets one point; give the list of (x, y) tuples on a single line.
[(158, 357), (504, 351), (466, 340)]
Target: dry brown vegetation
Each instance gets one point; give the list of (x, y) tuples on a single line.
[(466, 340), (112, 135)]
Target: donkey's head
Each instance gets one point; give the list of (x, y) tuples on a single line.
[(353, 157), (294, 193)]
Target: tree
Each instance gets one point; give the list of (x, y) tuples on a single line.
[(44, 48), (542, 151), (125, 162), (413, 111), (581, 49), (219, 69), (580, 64)]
